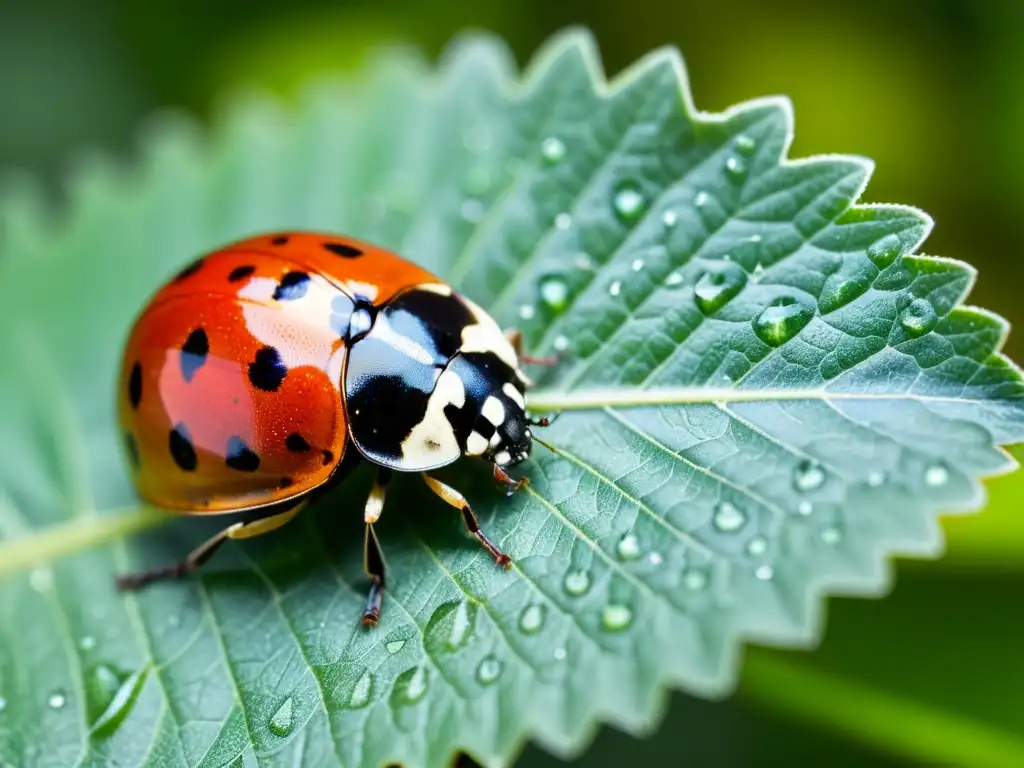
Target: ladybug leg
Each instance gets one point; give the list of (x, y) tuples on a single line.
[(504, 478), (198, 556), (515, 337), (457, 500), (373, 558)]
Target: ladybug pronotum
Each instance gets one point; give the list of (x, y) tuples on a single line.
[(254, 380)]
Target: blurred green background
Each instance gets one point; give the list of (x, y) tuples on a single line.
[(932, 91)]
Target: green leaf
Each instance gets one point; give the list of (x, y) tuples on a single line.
[(766, 394)]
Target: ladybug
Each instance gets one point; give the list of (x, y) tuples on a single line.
[(254, 380)]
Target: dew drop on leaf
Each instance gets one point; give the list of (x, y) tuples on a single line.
[(110, 696), (728, 518), (3, 703), (583, 261), (527, 312), (56, 700), (701, 199), (281, 721), (637, 265), (477, 180), (576, 583), (472, 210), (757, 546), (561, 343), (875, 479), (745, 144), (884, 252), (669, 219), (615, 288), (552, 149), (758, 271), (695, 580), (830, 536), (628, 547), (674, 278), (554, 292), (462, 626), (918, 318), (655, 558), (41, 579), (805, 508), (936, 475), (563, 221), (735, 167), (363, 690), (781, 320), (410, 687), (87, 643), (838, 292), (488, 671), (532, 618), (394, 646), (559, 653), (764, 572), (719, 285), (808, 476), (628, 202), (616, 618)]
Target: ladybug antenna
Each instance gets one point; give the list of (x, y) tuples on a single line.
[(546, 444), (544, 421)]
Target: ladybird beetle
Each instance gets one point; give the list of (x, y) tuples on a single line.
[(255, 379)]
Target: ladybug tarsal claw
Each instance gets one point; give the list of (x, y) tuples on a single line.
[(503, 560), (371, 618)]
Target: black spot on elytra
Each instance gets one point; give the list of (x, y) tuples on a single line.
[(268, 371), (135, 386), (292, 286), (190, 270), (328, 457), (239, 456), (343, 249), (240, 273), (296, 443), (279, 240), (182, 450), (193, 353), (131, 447)]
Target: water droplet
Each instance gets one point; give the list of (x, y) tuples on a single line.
[(674, 278), (628, 201), (561, 343), (884, 252), (410, 686), (531, 620), (281, 720), (559, 653), (583, 261), (758, 271), (56, 700), (554, 292), (3, 703), (781, 320), (477, 180), (488, 671), (87, 643), (805, 508), (701, 199), (629, 547), (553, 150), (563, 221), (394, 646), (728, 518), (615, 288), (745, 144), (918, 318), (576, 583), (527, 311), (695, 580), (735, 167), (616, 618), (839, 291), (718, 286), (670, 219), (462, 626), (936, 475), (363, 690), (655, 558), (757, 546), (472, 210), (764, 572), (875, 479), (637, 265), (174, 621), (808, 476), (755, 238), (830, 536), (41, 579)]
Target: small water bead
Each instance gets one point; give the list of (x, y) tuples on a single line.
[(629, 547), (839, 291), (41, 579), (655, 558), (805, 508), (531, 620), (808, 476), (695, 580), (876, 479), (616, 618), (563, 221), (918, 318), (701, 199), (462, 626), (764, 572), (87, 643), (735, 167), (781, 320), (936, 475), (472, 210), (670, 219), (559, 653), (3, 703), (394, 646), (477, 180), (884, 252), (758, 271), (552, 149), (745, 144), (728, 518), (757, 546), (561, 343), (755, 238), (488, 671), (577, 583), (583, 261), (831, 536), (554, 292), (527, 311), (637, 265), (410, 687), (674, 278), (362, 692), (615, 288), (56, 700), (629, 202), (281, 721), (718, 286)]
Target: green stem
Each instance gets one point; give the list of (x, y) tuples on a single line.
[(923, 734)]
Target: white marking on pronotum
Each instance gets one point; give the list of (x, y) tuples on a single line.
[(432, 442), (493, 410), (495, 440), (502, 457), (476, 444), (514, 395)]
